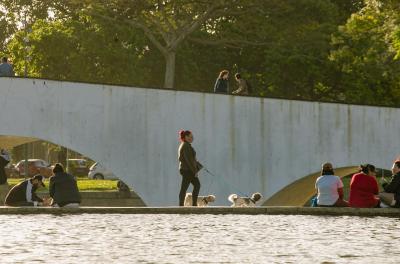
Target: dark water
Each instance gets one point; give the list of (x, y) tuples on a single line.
[(198, 239)]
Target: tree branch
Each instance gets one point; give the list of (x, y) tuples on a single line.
[(187, 30), (232, 43)]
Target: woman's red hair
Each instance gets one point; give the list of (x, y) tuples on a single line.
[(183, 134)]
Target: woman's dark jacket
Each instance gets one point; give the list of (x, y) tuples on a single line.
[(221, 86), (3, 176), (17, 195), (63, 188), (187, 158), (394, 187)]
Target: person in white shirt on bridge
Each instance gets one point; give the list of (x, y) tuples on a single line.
[(330, 188)]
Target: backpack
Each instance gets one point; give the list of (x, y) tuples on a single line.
[(249, 87)]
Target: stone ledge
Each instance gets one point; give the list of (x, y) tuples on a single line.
[(273, 210)]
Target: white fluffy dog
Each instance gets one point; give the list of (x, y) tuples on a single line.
[(201, 200), (244, 201)]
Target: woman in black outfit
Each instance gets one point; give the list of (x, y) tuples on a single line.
[(188, 167), (222, 84)]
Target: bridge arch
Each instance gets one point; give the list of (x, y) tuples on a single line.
[(254, 144), (299, 192), (9, 142)]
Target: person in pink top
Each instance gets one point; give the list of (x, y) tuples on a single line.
[(364, 188)]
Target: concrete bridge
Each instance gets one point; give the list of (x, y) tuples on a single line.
[(251, 144)]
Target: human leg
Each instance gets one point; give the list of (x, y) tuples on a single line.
[(341, 203), (387, 198), (184, 186), (196, 189)]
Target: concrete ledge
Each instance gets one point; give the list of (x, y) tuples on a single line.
[(107, 199), (391, 212)]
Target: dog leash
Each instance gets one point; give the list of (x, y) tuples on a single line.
[(227, 183)]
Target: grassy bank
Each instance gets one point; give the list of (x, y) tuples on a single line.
[(84, 184)]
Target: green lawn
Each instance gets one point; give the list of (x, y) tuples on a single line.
[(84, 184)]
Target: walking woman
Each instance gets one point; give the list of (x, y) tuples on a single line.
[(188, 167), (364, 188), (222, 83)]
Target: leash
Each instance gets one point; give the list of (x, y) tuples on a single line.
[(226, 182)]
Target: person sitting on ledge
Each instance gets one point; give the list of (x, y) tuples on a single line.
[(329, 188), (364, 188), (63, 188), (391, 194), (24, 193)]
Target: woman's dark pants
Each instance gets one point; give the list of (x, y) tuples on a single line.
[(189, 178)]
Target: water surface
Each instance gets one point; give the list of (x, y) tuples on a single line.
[(113, 238)]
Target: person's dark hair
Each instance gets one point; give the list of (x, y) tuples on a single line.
[(397, 163), (237, 76), (58, 168), (183, 134), (365, 168), (4, 59), (327, 169), (223, 73)]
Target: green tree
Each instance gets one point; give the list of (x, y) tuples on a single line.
[(365, 56)]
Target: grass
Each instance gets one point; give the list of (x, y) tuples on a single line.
[(84, 184)]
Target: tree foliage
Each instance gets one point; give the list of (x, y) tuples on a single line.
[(340, 50)]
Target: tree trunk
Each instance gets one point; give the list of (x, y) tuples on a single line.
[(169, 69)]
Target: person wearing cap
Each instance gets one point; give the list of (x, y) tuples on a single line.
[(63, 188), (329, 188), (4, 160), (24, 193)]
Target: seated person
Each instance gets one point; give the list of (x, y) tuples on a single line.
[(391, 195), (63, 188), (24, 193), (364, 188), (123, 189), (329, 188)]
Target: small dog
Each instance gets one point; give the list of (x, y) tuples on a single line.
[(201, 200), (244, 201)]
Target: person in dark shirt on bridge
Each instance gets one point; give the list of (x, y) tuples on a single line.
[(6, 69), (364, 188), (222, 83), (391, 194), (188, 167)]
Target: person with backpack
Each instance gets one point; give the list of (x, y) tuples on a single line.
[(243, 88)]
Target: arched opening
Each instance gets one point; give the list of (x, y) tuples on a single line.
[(98, 185), (299, 192)]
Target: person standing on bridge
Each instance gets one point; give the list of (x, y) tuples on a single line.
[(6, 69), (330, 188), (243, 88), (222, 82), (188, 167)]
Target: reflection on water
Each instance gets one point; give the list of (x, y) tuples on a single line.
[(197, 239)]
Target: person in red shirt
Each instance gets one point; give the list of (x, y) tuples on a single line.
[(364, 188)]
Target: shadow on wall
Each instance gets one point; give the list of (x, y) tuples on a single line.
[(299, 192)]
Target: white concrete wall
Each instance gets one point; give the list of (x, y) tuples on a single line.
[(254, 144)]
